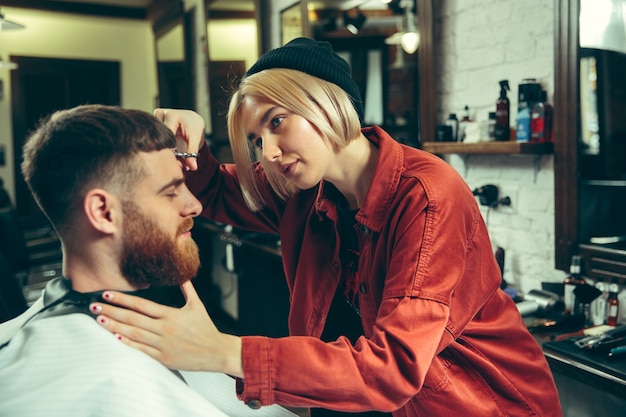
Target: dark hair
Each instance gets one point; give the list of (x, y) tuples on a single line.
[(88, 146)]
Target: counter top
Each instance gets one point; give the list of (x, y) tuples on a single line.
[(263, 241)]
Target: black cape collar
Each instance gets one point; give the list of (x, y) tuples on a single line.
[(59, 298)]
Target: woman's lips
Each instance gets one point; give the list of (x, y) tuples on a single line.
[(288, 170)]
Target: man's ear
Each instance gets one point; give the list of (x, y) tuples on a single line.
[(103, 210)]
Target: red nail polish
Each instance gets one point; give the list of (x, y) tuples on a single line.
[(119, 336), (102, 320)]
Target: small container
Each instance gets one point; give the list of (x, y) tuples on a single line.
[(463, 124), (491, 126), (453, 122), (612, 305), (443, 133)]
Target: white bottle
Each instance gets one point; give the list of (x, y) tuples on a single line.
[(599, 305)]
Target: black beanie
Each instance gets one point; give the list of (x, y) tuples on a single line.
[(314, 58)]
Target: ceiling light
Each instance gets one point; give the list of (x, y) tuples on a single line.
[(8, 25)]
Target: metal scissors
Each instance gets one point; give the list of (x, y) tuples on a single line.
[(184, 155)]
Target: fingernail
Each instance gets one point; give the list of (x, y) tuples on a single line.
[(95, 308), (187, 168), (107, 296), (103, 321), (119, 336)]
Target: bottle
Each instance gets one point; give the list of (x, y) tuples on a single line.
[(570, 283), (612, 305), (522, 132), (491, 126), (463, 123), (502, 128), (599, 305), (453, 122), (548, 112), (541, 120), (529, 91)]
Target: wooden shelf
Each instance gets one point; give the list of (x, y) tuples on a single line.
[(490, 148)]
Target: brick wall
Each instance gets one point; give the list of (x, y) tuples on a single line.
[(477, 44)]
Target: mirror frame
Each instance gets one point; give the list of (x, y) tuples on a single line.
[(566, 87), (426, 72), (425, 66)]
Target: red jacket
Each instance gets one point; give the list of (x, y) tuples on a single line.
[(441, 338)]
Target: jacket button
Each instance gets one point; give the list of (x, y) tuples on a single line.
[(362, 288), (254, 404)]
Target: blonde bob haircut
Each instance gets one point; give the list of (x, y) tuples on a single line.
[(325, 105)]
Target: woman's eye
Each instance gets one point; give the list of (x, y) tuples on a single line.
[(276, 121), (258, 142)]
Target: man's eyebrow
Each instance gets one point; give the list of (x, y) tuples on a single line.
[(264, 119), (173, 183)]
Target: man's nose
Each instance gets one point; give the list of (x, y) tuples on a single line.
[(193, 207)]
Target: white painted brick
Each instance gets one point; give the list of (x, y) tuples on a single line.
[(477, 44)]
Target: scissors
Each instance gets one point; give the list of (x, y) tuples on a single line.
[(185, 155)]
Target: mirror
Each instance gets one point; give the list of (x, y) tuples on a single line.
[(233, 47), (368, 35), (589, 173), (172, 32)]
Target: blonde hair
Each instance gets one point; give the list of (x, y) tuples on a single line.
[(325, 105)]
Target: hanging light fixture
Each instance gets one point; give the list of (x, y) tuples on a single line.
[(411, 38), (407, 36), (7, 24)]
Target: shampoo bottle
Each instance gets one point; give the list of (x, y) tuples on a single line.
[(541, 120), (502, 129)]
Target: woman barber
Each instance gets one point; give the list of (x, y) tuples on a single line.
[(395, 299)]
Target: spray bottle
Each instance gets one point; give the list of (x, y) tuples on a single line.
[(502, 129)]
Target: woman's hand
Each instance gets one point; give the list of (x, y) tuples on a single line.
[(188, 126), (180, 338)]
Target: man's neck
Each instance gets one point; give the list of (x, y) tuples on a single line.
[(88, 275)]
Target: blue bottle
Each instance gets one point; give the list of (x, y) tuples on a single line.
[(528, 94)]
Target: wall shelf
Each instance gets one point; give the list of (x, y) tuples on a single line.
[(490, 148)]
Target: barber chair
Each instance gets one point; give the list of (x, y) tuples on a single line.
[(33, 256), (12, 300)]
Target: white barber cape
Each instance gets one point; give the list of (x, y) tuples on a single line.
[(69, 366)]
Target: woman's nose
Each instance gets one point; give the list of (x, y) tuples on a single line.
[(271, 150)]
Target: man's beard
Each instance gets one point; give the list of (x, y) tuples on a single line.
[(151, 257)]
